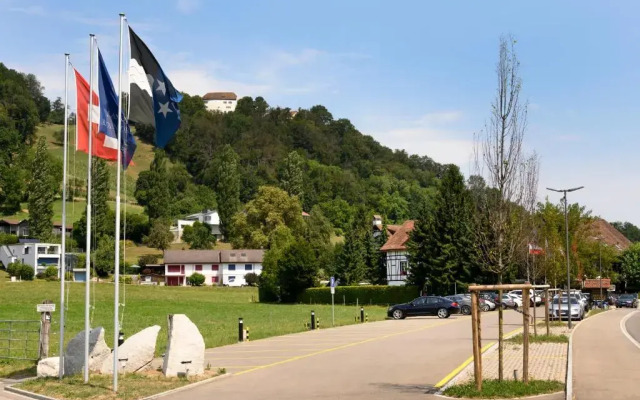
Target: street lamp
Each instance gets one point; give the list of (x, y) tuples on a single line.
[(566, 228)]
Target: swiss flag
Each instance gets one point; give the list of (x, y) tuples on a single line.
[(103, 146), (534, 249)]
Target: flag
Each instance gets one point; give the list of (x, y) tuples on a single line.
[(100, 149), (109, 116), (152, 99), (535, 249)]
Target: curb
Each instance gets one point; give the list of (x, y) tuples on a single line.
[(493, 346), (38, 396), (537, 396)]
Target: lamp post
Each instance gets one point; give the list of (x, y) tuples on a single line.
[(566, 228), (600, 262)]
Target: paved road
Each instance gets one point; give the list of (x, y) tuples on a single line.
[(605, 362), (382, 360), (633, 326)]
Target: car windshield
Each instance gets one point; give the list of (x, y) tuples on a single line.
[(626, 297)]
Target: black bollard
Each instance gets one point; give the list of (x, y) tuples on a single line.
[(361, 314), (240, 330), (120, 338), (313, 320)]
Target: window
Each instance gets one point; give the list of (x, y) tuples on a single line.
[(214, 279), (207, 218), (248, 267), (26, 250), (232, 267), (214, 267), (419, 301), (173, 268), (232, 254), (232, 279), (403, 267), (243, 254), (432, 300), (198, 267)]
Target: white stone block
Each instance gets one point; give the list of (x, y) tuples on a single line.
[(185, 348), (138, 350)]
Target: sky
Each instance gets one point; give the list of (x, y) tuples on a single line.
[(415, 75)]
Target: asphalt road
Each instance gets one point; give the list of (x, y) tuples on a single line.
[(605, 362), (382, 360), (633, 326)]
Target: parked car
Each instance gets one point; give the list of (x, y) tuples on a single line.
[(516, 299), (560, 309), (425, 305), (492, 296), (627, 300), (534, 299), (508, 302)]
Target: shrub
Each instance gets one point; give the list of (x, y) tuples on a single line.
[(40, 275), (361, 294), (6, 238), (123, 279), (51, 272), (147, 259), (251, 278), (20, 270), (196, 279)]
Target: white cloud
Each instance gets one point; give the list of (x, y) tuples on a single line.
[(437, 135), (30, 10), (187, 6)]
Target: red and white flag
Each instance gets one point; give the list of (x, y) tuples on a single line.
[(103, 145), (535, 249)]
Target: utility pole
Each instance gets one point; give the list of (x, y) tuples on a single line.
[(566, 228)]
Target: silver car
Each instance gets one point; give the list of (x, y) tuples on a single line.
[(559, 308)]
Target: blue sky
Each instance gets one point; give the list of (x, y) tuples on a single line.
[(417, 75)]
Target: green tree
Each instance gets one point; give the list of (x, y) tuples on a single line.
[(20, 270), (271, 209), (292, 175), (629, 230), (630, 268), (227, 187), (152, 188), (298, 270), (352, 265), (441, 246), (160, 237), (103, 256), (36, 91), (196, 279), (42, 189), (56, 116), (102, 217), (251, 279), (199, 236)]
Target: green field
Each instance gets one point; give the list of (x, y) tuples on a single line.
[(215, 310)]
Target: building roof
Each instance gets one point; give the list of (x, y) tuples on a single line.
[(610, 235), (212, 256), (399, 237), (595, 283), (69, 227), (220, 96), (13, 221), (241, 255), (191, 256)]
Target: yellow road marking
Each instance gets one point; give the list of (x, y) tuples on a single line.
[(243, 358), (466, 362), (257, 351), (344, 346)]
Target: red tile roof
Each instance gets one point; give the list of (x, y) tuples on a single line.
[(610, 235), (400, 236), (220, 96), (595, 283)]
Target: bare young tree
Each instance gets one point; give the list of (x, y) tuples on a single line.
[(509, 174)]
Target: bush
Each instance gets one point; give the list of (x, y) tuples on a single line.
[(40, 275), (196, 279), (20, 270), (123, 279), (147, 259), (6, 238), (251, 278), (362, 294), (51, 272)]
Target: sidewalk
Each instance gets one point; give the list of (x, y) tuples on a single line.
[(605, 362)]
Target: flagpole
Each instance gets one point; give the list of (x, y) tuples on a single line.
[(116, 301), (88, 230), (63, 268)]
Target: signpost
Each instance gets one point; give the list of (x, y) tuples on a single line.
[(333, 292), (45, 309)]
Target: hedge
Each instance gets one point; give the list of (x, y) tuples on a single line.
[(380, 295)]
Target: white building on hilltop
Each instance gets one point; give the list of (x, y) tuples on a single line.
[(220, 101)]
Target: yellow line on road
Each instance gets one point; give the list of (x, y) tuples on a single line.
[(468, 361), (344, 346)]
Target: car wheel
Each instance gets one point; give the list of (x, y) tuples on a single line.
[(484, 308), (466, 310), (443, 313), (398, 314)]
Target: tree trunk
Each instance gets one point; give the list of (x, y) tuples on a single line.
[(500, 333)]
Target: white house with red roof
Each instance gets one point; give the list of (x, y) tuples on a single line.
[(395, 249)]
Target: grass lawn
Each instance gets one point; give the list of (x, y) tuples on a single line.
[(540, 338), (493, 389), (215, 310), (130, 386)]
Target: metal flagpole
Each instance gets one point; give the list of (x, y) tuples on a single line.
[(116, 301), (88, 242), (63, 268)]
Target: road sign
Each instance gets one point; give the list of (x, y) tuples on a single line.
[(333, 290), (45, 307), (332, 282)]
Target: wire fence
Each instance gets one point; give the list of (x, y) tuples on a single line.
[(20, 339)]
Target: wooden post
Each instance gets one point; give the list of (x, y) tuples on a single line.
[(500, 338), (477, 371), (479, 318), (525, 336), (535, 322), (45, 326), (546, 309)]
